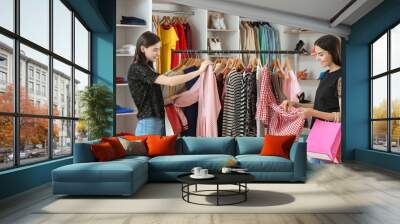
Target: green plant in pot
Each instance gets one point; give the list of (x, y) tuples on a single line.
[(96, 103)]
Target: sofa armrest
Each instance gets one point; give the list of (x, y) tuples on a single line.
[(298, 155), (83, 152)]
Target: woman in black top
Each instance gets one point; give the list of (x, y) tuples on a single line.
[(144, 84), (327, 98)]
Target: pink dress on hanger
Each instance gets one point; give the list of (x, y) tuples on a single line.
[(276, 120), (291, 87), (205, 92)]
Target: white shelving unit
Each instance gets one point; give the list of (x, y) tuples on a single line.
[(128, 34), (230, 37)]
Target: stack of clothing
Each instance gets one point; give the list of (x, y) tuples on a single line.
[(124, 110), (127, 49), (121, 80), (132, 20)]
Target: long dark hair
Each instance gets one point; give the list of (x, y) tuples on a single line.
[(331, 44), (147, 39)]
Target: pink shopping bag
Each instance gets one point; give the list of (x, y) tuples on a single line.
[(323, 141)]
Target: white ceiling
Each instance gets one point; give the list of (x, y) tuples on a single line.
[(310, 14), (319, 9)]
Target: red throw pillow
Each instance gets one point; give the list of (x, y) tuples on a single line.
[(116, 145), (103, 151), (161, 145), (277, 145), (123, 134), (135, 138)]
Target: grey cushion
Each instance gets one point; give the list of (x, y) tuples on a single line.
[(133, 147)]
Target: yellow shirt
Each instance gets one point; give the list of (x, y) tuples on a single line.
[(168, 42), (159, 59)]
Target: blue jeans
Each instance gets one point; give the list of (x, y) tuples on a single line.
[(150, 126)]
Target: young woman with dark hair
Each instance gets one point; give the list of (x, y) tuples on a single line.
[(327, 103), (144, 85)]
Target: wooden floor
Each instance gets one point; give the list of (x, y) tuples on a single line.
[(378, 188)]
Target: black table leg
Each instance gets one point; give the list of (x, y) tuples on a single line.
[(245, 193), (217, 194), (196, 188)]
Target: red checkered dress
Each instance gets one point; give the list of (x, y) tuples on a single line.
[(276, 120)]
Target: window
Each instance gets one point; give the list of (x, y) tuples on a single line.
[(385, 96), (62, 29), (81, 81), (62, 74), (7, 14), (81, 45), (35, 21), (53, 133), (30, 72), (6, 72), (30, 87), (62, 137), (6, 142)]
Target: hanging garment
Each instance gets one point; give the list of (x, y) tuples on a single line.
[(168, 39), (291, 87), (169, 91), (173, 118), (204, 92), (251, 105), (188, 33), (191, 111), (231, 111), (276, 82), (275, 118), (260, 126), (180, 45)]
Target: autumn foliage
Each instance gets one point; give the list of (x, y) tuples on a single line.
[(33, 131)]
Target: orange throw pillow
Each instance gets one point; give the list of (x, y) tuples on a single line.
[(103, 152), (135, 138), (116, 145), (277, 145), (161, 145)]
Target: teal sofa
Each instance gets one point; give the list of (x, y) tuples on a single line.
[(125, 176)]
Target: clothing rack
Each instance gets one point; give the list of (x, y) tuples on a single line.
[(233, 52), (172, 12)]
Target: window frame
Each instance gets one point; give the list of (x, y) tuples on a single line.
[(388, 74), (16, 114)]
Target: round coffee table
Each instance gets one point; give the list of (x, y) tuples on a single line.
[(238, 179)]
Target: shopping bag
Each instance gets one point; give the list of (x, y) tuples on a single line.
[(323, 141)]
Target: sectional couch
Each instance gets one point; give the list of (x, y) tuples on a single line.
[(125, 176)]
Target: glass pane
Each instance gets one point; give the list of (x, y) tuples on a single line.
[(395, 138), (62, 138), (379, 135), (6, 142), (62, 29), (6, 74), (379, 97), (62, 89), (395, 47), (35, 21), (7, 14), (34, 92), (379, 55), (81, 131), (81, 45), (395, 95), (33, 140), (81, 81)]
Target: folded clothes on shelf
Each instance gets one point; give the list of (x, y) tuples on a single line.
[(127, 49), (123, 110), (132, 20), (120, 80)]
